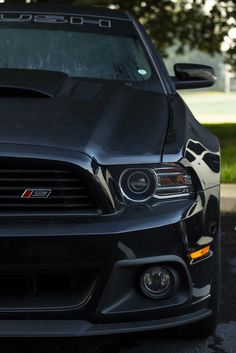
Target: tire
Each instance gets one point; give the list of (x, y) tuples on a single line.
[(206, 327)]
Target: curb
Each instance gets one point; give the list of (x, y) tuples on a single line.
[(228, 198)]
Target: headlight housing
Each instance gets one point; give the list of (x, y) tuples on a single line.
[(167, 181), (138, 184)]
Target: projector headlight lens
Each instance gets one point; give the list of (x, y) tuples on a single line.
[(138, 184)]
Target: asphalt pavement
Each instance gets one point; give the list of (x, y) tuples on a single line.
[(224, 340)]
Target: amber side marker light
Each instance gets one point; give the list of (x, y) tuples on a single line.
[(200, 253)]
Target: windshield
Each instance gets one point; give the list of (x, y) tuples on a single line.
[(80, 54)]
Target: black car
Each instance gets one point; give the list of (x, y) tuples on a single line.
[(109, 187)]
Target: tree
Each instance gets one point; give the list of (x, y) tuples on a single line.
[(191, 24)]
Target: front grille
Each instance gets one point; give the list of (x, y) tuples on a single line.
[(46, 290), (35, 186)]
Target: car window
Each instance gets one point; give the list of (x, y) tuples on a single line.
[(75, 53)]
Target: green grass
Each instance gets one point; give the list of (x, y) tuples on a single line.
[(227, 136)]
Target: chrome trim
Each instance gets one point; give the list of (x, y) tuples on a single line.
[(173, 196)]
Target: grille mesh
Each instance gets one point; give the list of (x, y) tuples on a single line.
[(67, 188)]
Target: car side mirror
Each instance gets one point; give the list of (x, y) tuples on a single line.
[(189, 76)]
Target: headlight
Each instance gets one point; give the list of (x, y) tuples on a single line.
[(167, 181), (138, 184)]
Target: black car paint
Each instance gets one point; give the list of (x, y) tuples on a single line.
[(148, 128), (100, 114)]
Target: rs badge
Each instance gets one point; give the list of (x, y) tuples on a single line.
[(36, 193)]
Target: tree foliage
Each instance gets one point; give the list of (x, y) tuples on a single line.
[(187, 24)]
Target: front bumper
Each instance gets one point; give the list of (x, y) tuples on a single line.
[(115, 248), (80, 328)]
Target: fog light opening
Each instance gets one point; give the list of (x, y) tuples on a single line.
[(157, 282)]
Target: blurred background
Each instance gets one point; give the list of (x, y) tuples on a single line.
[(196, 31)]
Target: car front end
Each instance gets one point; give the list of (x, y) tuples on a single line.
[(109, 194)]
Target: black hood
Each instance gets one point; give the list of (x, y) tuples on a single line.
[(109, 122)]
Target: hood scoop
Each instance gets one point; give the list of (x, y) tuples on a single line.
[(30, 83), (21, 92)]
